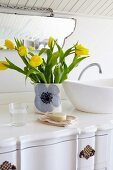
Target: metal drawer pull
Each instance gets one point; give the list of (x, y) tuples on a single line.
[(87, 152), (7, 166)]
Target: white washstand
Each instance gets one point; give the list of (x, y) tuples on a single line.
[(36, 146)]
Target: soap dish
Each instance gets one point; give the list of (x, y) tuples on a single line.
[(70, 120)]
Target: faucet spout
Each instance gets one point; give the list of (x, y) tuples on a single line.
[(90, 65)]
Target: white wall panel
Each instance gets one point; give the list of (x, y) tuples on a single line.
[(96, 34)]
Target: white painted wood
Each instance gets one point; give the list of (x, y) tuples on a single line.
[(10, 157), (84, 6), (39, 145), (101, 145), (110, 150), (8, 145), (55, 156), (77, 5), (69, 5), (84, 163), (102, 169), (62, 5), (8, 152), (55, 4), (22, 3), (98, 8), (13, 2), (103, 7), (47, 3), (39, 3), (31, 3), (4, 2), (108, 9)]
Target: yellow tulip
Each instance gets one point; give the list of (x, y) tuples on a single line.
[(9, 45), (51, 42), (81, 50), (2, 66), (35, 61), (22, 51)]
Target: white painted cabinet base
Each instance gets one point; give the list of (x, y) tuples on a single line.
[(11, 157), (83, 141), (42, 147), (61, 153), (57, 156)]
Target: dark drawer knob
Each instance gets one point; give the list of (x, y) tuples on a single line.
[(7, 166), (87, 152)]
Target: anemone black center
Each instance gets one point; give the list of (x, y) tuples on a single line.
[(46, 97)]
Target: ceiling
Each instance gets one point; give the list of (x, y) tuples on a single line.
[(98, 8)]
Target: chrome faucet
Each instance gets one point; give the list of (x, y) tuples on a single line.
[(90, 65)]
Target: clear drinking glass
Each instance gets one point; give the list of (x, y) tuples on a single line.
[(18, 113)]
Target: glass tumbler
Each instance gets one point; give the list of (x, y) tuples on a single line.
[(18, 113)]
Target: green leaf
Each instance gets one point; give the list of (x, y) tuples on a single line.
[(40, 74), (75, 63), (26, 70), (32, 75), (24, 59), (48, 66), (48, 71), (18, 43), (30, 53), (14, 67), (53, 60), (51, 81), (56, 74), (64, 73), (44, 62), (43, 50), (61, 53), (49, 55), (69, 51)]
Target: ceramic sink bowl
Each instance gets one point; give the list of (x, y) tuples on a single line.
[(91, 96)]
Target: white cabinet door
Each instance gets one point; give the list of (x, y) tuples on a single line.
[(57, 156), (85, 144), (10, 157)]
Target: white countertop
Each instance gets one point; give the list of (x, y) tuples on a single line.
[(87, 123)]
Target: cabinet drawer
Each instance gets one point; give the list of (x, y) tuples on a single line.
[(86, 146), (10, 157), (59, 156)]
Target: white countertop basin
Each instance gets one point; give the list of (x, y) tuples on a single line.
[(91, 96)]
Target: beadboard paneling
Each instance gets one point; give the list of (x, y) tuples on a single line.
[(102, 8)]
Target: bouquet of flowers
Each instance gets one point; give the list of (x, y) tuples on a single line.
[(49, 64)]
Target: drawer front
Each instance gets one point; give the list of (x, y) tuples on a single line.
[(86, 153), (59, 156), (8, 158)]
